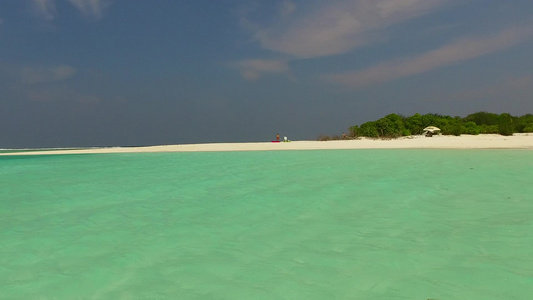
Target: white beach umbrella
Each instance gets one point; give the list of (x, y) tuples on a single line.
[(431, 129)]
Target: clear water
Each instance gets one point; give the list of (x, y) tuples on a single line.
[(347, 224)]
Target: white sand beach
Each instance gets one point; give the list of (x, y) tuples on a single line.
[(484, 141)]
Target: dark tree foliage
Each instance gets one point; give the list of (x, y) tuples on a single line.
[(525, 123), (452, 126), (353, 131), (394, 125), (414, 124), (505, 124), (368, 129), (483, 118), (390, 126)]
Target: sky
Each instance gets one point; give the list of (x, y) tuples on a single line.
[(78, 73)]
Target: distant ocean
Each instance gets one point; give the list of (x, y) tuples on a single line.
[(335, 224)]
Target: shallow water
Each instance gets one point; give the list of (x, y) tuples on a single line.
[(336, 224)]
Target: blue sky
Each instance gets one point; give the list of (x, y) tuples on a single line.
[(136, 72)]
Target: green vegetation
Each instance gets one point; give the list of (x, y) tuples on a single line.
[(393, 125)]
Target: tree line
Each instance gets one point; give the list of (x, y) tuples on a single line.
[(394, 125)]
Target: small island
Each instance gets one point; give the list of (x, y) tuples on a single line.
[(394, 125)]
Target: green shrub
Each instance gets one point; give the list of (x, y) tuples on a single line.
[(505, 124), (528, 128), (482, 118), (488, 129), (456, 130), (452, 129), (353, 131), (471, 128), (394, 125), (369, 129), (415, 124), (524, 123), (390, 126)]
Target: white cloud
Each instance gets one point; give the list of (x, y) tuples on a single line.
[(252, 69), (45, 9), (91, 8), (335, 26), (34, 75), (457, 51)]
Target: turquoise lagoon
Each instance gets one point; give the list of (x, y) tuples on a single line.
[(336, 224)]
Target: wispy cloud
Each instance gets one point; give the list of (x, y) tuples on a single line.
[(46, 84), (522, 86), (252, 69), (286, 8), (45, 9), (60, 94), (35, 75), (439, 29), (507, 94), (460, 50), (333, 27), (91, 8)]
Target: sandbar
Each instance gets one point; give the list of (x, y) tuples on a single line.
[(483, 141)]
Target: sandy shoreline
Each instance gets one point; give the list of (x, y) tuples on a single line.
[(486, 141)]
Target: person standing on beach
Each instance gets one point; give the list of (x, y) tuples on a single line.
[(277, 137)]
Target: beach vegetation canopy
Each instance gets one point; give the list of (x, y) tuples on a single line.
[(394, 125)]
